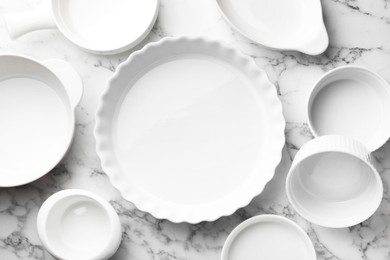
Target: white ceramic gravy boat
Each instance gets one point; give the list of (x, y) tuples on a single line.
[(279, 24)]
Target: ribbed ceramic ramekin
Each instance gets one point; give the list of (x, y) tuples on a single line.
[(333, 182)]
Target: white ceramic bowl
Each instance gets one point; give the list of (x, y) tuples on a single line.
[(37, 109), (351, 101), (268, 237), (99, 26), (333, 182), (79, 225)]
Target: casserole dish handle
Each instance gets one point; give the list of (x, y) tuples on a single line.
[(19, 24), (69, 78)]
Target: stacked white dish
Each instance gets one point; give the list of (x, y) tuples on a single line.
[(100, 26), (279, 24)]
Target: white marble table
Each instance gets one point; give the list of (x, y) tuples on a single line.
[(359, 34)]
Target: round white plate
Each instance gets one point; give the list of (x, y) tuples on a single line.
[(279, 24), (189, 130), (268, 237)]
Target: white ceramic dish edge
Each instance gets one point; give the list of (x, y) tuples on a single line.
[(261, 218), (107, 164)]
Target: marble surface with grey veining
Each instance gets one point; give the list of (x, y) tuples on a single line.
[(359, 32)]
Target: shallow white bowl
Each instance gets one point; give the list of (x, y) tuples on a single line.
[(268, 237), (333, 182), (79, 225), (351, 101)]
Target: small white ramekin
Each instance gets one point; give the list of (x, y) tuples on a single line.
[(333, 182), (352, 101), (79, 225)]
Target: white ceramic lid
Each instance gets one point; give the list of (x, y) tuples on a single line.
[(279, 24), (189, 130), (79, 225), (268, 237)]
